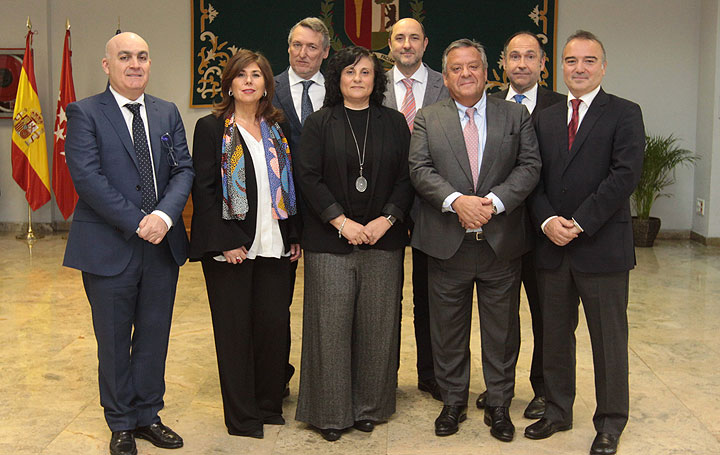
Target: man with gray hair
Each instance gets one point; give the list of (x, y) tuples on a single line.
[(473, 161), (300, 91)]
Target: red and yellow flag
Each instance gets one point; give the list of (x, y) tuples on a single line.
[(29, 150), (65, 194)]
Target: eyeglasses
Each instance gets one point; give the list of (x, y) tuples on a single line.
[(167, 142)]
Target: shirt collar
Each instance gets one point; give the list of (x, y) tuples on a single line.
[(479, 107), (293, 78), (420, 75), (586, 98), (529, 94), (122, 101)]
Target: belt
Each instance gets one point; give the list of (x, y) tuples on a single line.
[(475, 236)]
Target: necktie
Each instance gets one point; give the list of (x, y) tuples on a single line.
[(472, 143), (143, 156), (518, 98), (574, 120), (306, 107), (408, 104)]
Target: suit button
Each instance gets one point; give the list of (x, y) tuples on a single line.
[(137, 187), (564, 190)]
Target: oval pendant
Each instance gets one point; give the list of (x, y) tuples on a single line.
[(361, 184)]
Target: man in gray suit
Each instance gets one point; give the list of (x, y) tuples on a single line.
[(411, 85), (299, 91), (473, 160)]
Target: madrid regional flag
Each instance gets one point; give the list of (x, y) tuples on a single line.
[(29, 150)]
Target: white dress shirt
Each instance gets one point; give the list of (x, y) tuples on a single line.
[(530, 100), (268, 241), (128, 116), (419, 85), (316, 91)]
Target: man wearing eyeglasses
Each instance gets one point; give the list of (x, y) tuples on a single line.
[(130, 165)]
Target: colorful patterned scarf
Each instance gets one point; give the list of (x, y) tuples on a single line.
[(279, 167)]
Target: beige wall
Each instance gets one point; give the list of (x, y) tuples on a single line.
[(654, 56)]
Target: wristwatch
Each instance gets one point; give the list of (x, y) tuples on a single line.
[(391, 219)]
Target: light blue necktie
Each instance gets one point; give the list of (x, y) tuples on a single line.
[(518, 98)]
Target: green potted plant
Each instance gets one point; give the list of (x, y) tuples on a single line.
[(662, 156)]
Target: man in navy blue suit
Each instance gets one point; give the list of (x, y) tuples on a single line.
[(130, 165)]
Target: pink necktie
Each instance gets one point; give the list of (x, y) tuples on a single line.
[(472, 143), (408, 104), (574, 120)]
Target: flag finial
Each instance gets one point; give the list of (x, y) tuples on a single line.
[(28, 24), (67, 24)]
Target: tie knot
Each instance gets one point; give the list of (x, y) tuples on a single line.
[(306, 84), (408, 82), (470, 112), (519, 98), (576, 103), (133, 107)]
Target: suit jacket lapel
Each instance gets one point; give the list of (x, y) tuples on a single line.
[(336, 127), (285, 98), (495, 120), (432, 88), (153, 115), (112, 112), (450, 123), (596, 110)]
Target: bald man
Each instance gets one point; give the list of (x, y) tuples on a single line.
[(130, 165)]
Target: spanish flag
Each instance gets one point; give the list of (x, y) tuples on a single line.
[(29, 149)]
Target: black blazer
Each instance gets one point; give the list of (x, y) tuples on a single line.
[(545, 99), (321, 173), (592, 183), (210, 234)]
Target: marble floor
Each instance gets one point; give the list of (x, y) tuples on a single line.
[(49, 399)]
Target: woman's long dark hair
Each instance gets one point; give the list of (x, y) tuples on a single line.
[(344, 58), (234, 65)]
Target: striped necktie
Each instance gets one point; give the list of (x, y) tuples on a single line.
[(408, 104)]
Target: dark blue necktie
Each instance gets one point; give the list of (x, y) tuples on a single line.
[(518, 98), (143, 156), (306, 107)]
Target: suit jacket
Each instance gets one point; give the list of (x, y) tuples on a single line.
[(439, 166), (435, 90), (592, 183), (321, 173), (102, 162), (210, 233), (283, 100), (545, 99)]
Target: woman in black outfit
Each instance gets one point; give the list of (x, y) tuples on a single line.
[(243, 233), (352, 170)]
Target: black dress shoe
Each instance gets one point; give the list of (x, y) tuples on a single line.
[(122, 443), (544, 428), (330, 434), (364, 425), (604, 444), (535, 409), (480, 402), (449, 420), (274, 420), (159, 435), (498, 419), (431, 386)]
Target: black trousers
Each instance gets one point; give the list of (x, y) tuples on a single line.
[(604, 297), (248, 302), (497, 283), (131, 315), (421, 315), (528, 276)]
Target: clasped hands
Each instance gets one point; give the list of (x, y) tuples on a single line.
[(473, 211), (152, 228), (561, 231), (357, 234)]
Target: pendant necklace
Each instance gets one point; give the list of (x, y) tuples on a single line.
[(360, 182)]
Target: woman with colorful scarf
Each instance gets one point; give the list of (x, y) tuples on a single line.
[(243, 232)]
